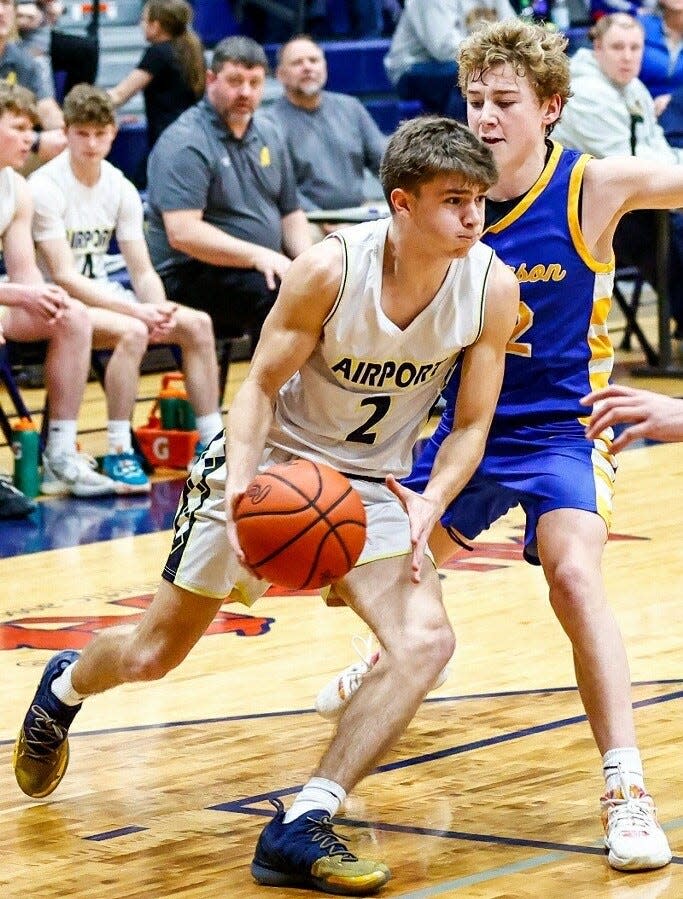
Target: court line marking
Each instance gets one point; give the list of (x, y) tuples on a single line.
[(513, 868), (596, 848), (447, 886), (463, 697), (118, 832)]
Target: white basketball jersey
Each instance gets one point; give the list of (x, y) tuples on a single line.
[(361, 399), (88, 216), (8, 197)]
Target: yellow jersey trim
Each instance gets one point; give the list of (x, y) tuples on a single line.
[(575, 181), (532, 194)]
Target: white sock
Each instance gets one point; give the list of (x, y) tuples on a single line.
[(208, 426), (61, 438), (118, 435), (630, 761), (63, 688), (317, 793)]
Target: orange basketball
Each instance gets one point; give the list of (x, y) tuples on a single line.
[(301, 524)]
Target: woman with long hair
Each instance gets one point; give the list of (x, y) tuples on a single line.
[(172, 71)]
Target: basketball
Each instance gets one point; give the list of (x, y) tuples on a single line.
[(301, 524)]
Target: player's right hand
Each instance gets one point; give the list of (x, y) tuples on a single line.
[(423, 515)]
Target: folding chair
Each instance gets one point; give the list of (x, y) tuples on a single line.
[(7, 378), (629, 307), (20, 408)]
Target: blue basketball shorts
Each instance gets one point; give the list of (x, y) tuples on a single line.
[(538, 471)]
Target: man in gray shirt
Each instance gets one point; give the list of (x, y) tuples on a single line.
[(331, 137), (224, 219)]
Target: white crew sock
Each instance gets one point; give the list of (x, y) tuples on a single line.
[(630, 761), (63, 688), (317, 793), (208, 426), (61, 438), (118, 436)]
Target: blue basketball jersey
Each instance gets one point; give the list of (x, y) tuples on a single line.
[(560, 349)]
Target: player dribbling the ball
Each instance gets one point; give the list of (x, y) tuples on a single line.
[(366, 329)]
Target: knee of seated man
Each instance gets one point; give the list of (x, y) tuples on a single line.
[(75, 321), (136, 335), (195, 326)]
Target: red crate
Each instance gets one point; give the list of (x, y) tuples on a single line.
[(167, 449)]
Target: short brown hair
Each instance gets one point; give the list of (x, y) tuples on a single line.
[(19, 100), (532, 51), (422, 148), (619, 19), (86, 104), (239, 50)]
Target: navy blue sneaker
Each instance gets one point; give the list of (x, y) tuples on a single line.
[(41, 753), (308, 853)]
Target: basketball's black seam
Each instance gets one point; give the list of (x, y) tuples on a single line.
[(311, 503), (331, 532), (322, 516), (331, 529)]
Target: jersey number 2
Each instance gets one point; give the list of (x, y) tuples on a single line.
[(525, 319), (363, 434)]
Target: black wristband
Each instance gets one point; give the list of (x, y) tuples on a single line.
[(35, 146)]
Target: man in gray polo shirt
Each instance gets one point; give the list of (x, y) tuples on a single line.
[(331, 137), (224, 219)]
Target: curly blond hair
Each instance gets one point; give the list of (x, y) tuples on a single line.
[(533, 51)]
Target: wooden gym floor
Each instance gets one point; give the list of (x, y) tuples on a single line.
[(492, 792)]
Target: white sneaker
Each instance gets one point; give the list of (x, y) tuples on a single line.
[(633, 836), (335, 695), (74, 473)]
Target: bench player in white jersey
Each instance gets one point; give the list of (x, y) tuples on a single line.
[(81, 202), (366, 328), (31, 310)]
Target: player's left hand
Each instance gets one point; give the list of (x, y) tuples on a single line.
[(423, 515), (159, 319)]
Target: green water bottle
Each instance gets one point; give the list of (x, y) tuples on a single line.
[(170, 399), (186, 417), (26, 449)]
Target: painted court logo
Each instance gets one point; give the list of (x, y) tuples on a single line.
[(73, 632)]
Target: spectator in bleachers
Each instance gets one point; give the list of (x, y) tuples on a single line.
[(612, 113), (32, 310), (17, 66), (81, 201), (421, 62), (331, 137), (34, 37), (224, 218), (73, 56), (172, 72), (600, 8), (662, 67)]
